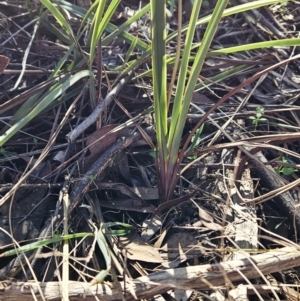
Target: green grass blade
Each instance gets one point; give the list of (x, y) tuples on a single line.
[(101, 241), (158, 14), (267, 44), (231, 11), (114, 31), (59, 17), (159, 76), (179, 122), (103, 246), (184, 65), (119, 30), (47, 100), (60, 35), (129, 38), (43, 243), (59, 238), (100, 22), (88, 15), (27, 107), (108, 15), (97, 30), (221, 76), (129, 52)]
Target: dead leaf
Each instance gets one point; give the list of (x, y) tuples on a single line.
[(127, 204), (161, 238), (150, 227), (123, 188), (4, 61), (207, 220), (179, 248), (182, 295), (98, 146), (135, 249), (169, 204), (146, 193), (121, 162), (201, 99), (181, 244), (134, 203), (212, 226), (28, 208)]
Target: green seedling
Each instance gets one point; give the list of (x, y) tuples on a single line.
[(195, 141), (153, 153), (35, 141), (206, 3), (258, 117), (279, 224), (93, 178), (287, 171), (104, 230), (5, 153)]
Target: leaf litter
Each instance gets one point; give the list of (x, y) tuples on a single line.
[(208, 215)]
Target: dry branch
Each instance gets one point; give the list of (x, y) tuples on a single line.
[(195, 277)]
